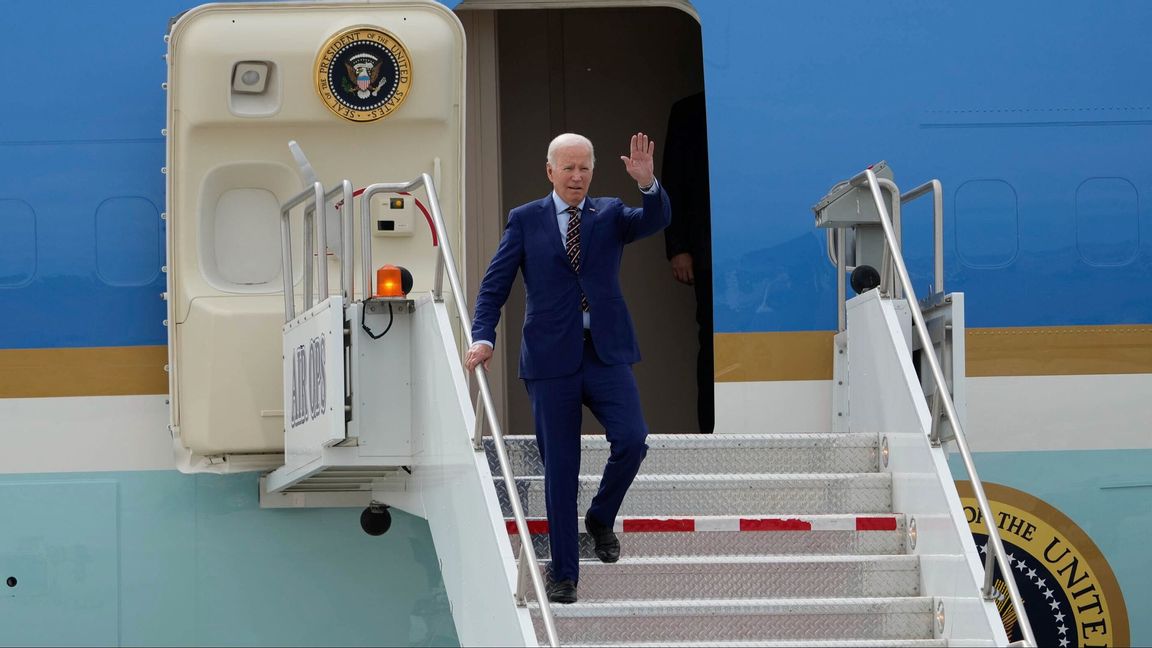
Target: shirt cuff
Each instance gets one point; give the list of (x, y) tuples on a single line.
[(484, 342), (652, 188)]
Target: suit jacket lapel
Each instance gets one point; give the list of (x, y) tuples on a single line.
[(551, 229), (589, 219)]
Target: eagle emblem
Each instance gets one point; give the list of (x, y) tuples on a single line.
[(363, 76)]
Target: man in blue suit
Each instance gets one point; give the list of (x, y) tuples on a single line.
[(579, 344)]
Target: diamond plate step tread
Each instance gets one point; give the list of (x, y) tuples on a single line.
[(726, 494), (840, 643), (753, 577), (749, 620), (704, 454), (830, 643), (712, 607)]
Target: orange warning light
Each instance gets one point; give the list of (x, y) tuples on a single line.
[(388, 282)]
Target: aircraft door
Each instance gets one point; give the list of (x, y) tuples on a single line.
[(372, 92)]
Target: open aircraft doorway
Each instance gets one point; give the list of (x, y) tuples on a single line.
[(554, 67)]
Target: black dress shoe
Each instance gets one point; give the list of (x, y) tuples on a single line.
[(562, 592), (607, 545)]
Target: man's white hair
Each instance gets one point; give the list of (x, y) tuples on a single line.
[(569, 139)]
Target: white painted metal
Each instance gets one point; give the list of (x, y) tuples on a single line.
[(415, 415), (945, 320), (841, 407), (455, 488), (84, 434), (379, 435), (885, 395), (313, 361), (381, 422), (1115, 407), (779, 407), (1059, 410)]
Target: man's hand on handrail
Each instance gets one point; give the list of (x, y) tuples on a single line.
[(477, 353)]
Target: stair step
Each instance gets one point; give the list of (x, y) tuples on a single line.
[(736, 577), (838, 534), (707, 454), (815, 643), (656, 495), (757, 620)]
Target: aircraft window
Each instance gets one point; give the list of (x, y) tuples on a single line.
[(127, 241)]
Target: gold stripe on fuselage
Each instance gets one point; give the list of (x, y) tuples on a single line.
[(1031, 351), (740, 357), (99, 371)]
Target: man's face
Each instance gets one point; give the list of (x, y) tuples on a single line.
[(572, 173)]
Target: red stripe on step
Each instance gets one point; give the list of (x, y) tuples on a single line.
[(875, 524), (774, 524), (637, 525), (535, 527)]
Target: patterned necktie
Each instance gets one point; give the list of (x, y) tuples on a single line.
[(572, 247)]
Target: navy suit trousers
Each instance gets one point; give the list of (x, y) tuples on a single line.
[(610, 393)]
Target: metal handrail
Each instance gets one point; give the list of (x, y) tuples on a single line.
[(445, 263), (868, 178), (937, 191), (310, 197), (313, 198)]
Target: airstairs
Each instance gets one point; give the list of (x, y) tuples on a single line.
[(744, 538), (851, 537)]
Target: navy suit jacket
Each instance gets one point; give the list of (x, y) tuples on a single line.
[(553, 343)]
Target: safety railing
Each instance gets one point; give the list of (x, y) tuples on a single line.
[(315, 231), (868, 179), (835, 243), (315, 199), (528, 567)]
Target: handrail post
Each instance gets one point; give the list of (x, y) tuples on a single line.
[(309, 236), (366, 239), (934, 436), (937, 190), (286, 262), (322, 243), (938, 235), (889, 254), (308, 198), (478, 437), (869, 178), (841, 289), (347, 240), (445, 245), (523, 579)]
